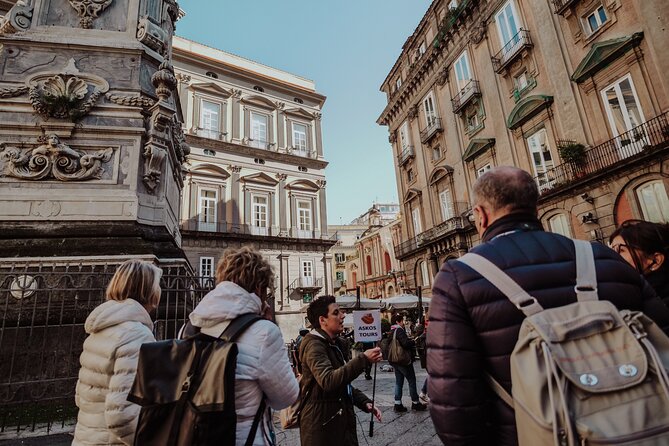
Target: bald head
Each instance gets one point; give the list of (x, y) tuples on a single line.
[(506, 189)]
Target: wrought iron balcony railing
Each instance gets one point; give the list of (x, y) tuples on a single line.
[(641, 141), (305, 283), (561, 6), (464, 96), (223, 227), (432, 129), (406, 154), (511, 49), (209, 134)]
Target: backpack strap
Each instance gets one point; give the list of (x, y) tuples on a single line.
[(256, 422), (491, 272), (238, 325), (586, 275)]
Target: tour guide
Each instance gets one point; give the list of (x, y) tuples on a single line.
[(327, 416)]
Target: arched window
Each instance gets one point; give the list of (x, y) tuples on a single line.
[(653, 201), (369, 265), (386, 258), (424, 274), (559, 225), (355, 278)]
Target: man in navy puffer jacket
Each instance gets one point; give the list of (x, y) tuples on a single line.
[(474, 327)]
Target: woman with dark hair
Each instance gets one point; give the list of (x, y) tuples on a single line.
[(645, 246)]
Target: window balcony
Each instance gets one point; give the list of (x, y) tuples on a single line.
[(303, 152), (560, 6), (511, 50), (224, 227), (210, 134), (641, 143), (406, 154), (464, 96), (308, 284), (259, 144), (431, 130)]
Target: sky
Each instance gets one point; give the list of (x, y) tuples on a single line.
[(347, 47)]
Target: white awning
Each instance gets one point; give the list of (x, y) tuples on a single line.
[(405, 301)]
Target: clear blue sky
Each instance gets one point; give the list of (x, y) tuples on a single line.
[(347, 47)]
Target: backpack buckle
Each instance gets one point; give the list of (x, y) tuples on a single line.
[(186, 385), (526, 303)]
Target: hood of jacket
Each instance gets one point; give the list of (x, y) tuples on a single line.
[(225, 302), (114, 312)]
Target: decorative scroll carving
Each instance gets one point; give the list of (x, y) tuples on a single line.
[(237, 93), (321, 183), (53, 160), (318, 116), (234, 169), (89, 10), (442, 77), (69, 94), (279, 105), (13, 92), (151, 35), (479, 31), (164, 80), (134, 101), (154, 158), (413, 112), (18, 18), (392, 137), (182, 78), (281, 176)]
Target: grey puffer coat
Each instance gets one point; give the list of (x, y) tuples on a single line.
[(474, 327)]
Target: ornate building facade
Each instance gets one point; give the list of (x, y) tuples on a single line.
[(256, 174), (344, 256), (573, 91)]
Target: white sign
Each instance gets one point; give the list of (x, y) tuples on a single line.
[(367, 325)]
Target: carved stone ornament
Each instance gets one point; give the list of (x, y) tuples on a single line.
[(392, 137), (182, 78), (234, 169), (181, 149), (66, 95), (164, 80), (18, 18), (89, 10), (13, 92), (479, 31), (154, 158), (321, 183), (413, 112), (152, 35), (133, 101), (318, 116), (53, 160), (442, 77), (281, 176)]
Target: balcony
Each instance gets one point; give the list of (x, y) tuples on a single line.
[(259, 144), (406, 154), (431, 130), (560, 6), (511, 50), (193, 224), (642, 142), (305, 285), (209, 134), (464, 96)]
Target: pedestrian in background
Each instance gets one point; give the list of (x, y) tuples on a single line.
[(328, 416), (405, 371), (117, 328), (645, 246)]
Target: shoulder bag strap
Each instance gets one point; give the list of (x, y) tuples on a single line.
[(586, 274), (238, 325), (256, 422), (491, 272)]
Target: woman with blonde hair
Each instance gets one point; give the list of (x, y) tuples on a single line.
[(243, 280), (117, 328)]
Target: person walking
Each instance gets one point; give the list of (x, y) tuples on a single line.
[(403, 371), (645, 246), (243, 278), (474, 327), (327, 416), (116, 329)]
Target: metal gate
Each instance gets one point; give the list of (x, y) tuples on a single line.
[(44, 307)]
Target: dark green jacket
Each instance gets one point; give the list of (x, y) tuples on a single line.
[(328, 416)]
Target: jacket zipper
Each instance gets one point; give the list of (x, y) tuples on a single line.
[(339, 412), (627, 438)]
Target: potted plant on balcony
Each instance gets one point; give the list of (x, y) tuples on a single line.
[(574, 154)]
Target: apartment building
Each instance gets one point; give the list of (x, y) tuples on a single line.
[(344, 255), (573, 91), (256, 173)]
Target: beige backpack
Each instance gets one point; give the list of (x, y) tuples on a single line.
[(585, 373)]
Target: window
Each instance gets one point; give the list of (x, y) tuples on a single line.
[(398, 83), (424, 274), (473, 121), (507, 25), (307, 273), (368, 263), (462, 72), (430, 114), (421, 49), (624, 112), (483, 170), (654, 202), (304, 219), (259, 220), (453, 4), (210, 119), (595, 19), (340, 257), (206, 269), (415, 218), (207, 210), (520, 81), (446, 204), (436, 153), (559, 225), (410, 175), (388, 263), (259, 130), (404, 135), (300, 138), (542, 159), (339, 275)]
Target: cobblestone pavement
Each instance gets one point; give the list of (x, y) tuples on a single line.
[(406, 429)]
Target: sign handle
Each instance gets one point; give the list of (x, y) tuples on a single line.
[(371, 421)]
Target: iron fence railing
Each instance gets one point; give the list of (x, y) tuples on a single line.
[(224, 227), (209, 133), (511, 49), (561, 6), (433, 127), (44, 307), (406, 154), (642, 140), (305, 283), (470, 91)]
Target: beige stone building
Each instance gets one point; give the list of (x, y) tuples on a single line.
[(343, 256), (573, 91), (256, 174)]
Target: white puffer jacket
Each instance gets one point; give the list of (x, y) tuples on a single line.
[(262, 362), (108, 365)]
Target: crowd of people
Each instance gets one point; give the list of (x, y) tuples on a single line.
[(473, 328)]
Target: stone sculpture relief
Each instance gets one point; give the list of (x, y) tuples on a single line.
[(89, 10), (66, 95), (13, 92), (127, 100), (152, 35), (53, 160), (18, 18)]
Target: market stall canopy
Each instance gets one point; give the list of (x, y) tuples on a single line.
[(405, 301), (348, 301), (348, 321)]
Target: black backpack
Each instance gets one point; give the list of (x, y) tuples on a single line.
[(186, 388)]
